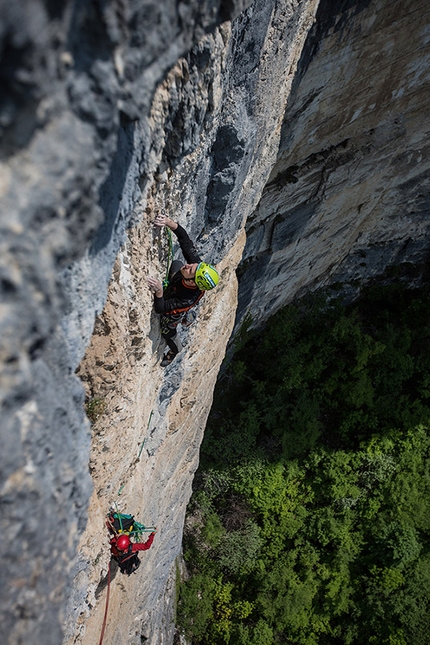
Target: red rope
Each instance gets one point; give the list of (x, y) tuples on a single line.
[(106, 608)]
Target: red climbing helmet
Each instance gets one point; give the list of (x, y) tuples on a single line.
[(123, 542)]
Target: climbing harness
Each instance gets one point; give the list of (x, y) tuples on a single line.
[(169, 255)]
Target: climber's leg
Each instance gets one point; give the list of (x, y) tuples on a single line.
[(168, 332)]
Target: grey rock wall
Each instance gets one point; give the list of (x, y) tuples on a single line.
[(97, 102), (77, 78), (109, 112), (215, 126), (349, 194)]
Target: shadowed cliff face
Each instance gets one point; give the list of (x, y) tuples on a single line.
[(349, 194), (77, 79)]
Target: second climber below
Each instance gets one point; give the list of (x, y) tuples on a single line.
[(124, 551), (187, 284)]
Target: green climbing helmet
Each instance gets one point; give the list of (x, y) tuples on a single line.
[(206, 276)]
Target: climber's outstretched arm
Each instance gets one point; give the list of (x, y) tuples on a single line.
[(143, 546), (187, 245)]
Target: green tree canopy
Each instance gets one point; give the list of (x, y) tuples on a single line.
[(310, 515)]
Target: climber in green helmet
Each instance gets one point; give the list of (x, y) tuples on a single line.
[(187, 284)]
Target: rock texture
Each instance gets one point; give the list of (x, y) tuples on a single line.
[(349, 194), (75, 161), (146, 444), (109, 111), (227, 115), (210, 177)]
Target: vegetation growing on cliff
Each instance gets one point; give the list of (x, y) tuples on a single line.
[(310, 520)]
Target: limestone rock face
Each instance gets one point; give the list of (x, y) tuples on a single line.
[(146, 443), (219, 144), (109, 112), (301, 159), (349, 194)]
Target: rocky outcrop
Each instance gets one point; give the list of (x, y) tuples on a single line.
[(146, 443), (78, 80), (111, 110), (221, 114), (349, 194), (209, 177)]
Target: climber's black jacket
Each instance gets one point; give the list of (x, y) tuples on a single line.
[(177, 297)]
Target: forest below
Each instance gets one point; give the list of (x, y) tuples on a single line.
[(310, 516)]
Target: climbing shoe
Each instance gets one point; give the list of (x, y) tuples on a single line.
[(168, 358)]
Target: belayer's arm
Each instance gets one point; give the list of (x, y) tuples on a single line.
[(143, 546)]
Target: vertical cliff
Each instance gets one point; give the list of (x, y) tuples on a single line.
[(110, 111), (349, 193), (216, 120), (297, 153)]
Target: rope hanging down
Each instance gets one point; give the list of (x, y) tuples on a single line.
[(106, 608), (169, 255), (147, 428)]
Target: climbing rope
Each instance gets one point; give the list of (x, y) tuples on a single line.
[(106, 608), (169, 255), (147, 428), (137, 528)]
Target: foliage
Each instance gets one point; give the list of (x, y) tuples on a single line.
[(238, 549), (95, 408), (313, 494)]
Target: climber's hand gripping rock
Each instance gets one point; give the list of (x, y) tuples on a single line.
[(155, 286), (160, 220), (163, 220)]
